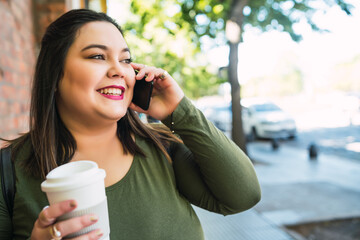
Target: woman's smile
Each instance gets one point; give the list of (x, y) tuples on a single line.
[(112, 92)]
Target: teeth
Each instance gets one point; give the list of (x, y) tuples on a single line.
[(111, 91)]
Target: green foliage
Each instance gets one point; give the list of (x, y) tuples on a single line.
[(282, 14), (163, 34)]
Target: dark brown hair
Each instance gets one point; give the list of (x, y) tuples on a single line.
[(52, 144)]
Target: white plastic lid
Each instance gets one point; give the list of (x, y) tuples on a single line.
[(72, 175)]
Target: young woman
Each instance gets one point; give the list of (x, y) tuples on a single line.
[(81, 108)]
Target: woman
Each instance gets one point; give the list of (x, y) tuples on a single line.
[(81, 109)]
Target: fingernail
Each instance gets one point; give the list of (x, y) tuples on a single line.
[(99, 233), (45, 207), (93, 218), (72, 204)]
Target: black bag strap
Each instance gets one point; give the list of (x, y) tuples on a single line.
[(7, 179)]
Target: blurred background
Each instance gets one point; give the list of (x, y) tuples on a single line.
[(279, 77)]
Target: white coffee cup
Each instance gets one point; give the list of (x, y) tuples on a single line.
[(82, 181)]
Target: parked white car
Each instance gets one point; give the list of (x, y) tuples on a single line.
[(264, 119), (261, 119)]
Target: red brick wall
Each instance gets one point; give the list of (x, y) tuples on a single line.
[(17, 59), (22, 25)]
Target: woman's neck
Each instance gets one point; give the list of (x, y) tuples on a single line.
[(93, 145)]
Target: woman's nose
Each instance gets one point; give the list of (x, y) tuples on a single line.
[(116, 71)]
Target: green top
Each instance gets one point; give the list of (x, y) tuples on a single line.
[(153, 200)]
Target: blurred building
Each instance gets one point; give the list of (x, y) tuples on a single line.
[(22, 25)]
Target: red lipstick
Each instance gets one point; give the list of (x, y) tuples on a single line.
[(112, 92)]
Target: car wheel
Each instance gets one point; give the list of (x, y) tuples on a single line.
[(253, 135), (249, 137), (292, 137), (275, 143)]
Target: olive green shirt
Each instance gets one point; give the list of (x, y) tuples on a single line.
[(153, 200)]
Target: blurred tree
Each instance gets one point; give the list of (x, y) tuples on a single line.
[(158, 34), (168, 26)]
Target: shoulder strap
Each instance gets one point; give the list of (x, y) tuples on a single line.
[(7, 178)]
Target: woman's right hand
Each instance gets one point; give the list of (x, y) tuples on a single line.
[(46, 227)]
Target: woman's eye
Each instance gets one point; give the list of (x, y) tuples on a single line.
[(97, 56), (126, 60)]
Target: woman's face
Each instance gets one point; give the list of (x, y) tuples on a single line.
[(98, 79)]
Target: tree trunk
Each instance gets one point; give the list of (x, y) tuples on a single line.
[(236, 16), (238, 135)]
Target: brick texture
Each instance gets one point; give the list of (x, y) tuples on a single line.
[(22, 24), (16, 65)]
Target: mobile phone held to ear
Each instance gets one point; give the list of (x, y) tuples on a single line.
[(142, 93)]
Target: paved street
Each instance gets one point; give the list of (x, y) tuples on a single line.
[(295, 190)]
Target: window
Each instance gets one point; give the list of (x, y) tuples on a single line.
[(96, 5)]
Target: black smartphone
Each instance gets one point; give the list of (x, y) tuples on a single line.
[(142, 93)]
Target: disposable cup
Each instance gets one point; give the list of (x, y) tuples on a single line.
[(82, 181)]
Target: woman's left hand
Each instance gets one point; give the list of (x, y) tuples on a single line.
[(166, 94)]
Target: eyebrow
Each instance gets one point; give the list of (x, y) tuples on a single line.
[(102, 47)]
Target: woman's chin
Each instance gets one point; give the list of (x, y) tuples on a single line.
[(116, 116)]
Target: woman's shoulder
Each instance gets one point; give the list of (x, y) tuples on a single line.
[(20, 148)]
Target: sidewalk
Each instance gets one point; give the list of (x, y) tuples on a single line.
[(295, 190)]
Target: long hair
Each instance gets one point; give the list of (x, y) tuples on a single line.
[(52, 144)]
